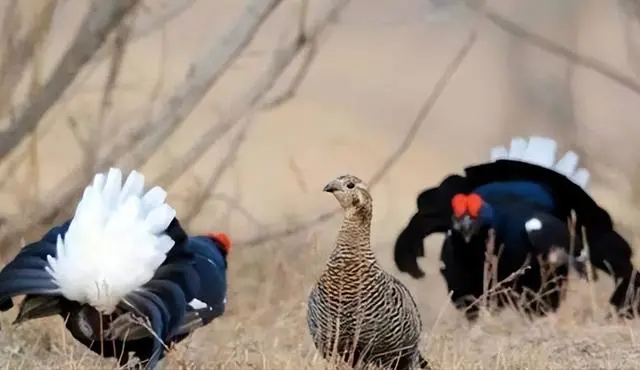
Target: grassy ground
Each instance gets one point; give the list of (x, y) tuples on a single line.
[(352, 111), (265, 327)]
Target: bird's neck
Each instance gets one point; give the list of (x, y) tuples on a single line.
[(354, 238), (486, 215)]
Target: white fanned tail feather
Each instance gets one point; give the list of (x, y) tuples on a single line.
[(541, 151), (115, 242)]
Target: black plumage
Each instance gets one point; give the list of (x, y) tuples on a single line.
[(195, 269), (512, 193)]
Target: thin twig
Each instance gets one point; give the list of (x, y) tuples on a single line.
[(281, 60), (544, 43), (410, 136), (202, 74), (157, 22), (311, 52), (198, 201), (102, 17), (120, 41), (18, 53)]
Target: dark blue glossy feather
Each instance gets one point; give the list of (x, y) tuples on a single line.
[(195, 269), (183, 274), (38, 249), (519, 191), (211, 268), (149, 306), (158, 306), (25, 263), (173, 299), (28, 283)]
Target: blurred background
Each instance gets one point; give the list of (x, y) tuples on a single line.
[(243, 110)]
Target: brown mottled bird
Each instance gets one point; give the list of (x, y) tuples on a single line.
[(357, 311)]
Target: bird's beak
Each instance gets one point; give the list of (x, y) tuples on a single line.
[(331, 187), (467, 228)]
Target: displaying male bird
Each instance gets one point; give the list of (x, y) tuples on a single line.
[(356, 310), (122, 272), (526, 197)]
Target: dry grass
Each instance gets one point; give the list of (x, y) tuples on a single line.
[(355, 85), (265, 327)]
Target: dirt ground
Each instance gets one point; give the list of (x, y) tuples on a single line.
[(375, 68)]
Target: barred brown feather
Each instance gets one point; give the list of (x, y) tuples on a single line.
[(357, 310)]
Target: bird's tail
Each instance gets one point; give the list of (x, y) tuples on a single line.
[(115, 242), (541, 151)]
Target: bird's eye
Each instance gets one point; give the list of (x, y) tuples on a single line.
[(350, 185)]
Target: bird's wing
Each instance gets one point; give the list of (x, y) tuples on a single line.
[(26, 274), (566, 194), (433, 216), (552, 239), (30, 259), (211, 299), (186, 293), (609, 251), (545, 231), (532, 160)]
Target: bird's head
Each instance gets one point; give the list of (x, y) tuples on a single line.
[(223, 243), (470, 213), (351, 192)]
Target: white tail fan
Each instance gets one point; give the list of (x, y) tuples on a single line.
[(115, 242), (541, 151)]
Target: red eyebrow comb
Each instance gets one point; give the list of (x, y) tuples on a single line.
[(474, 203), (223, 239), (459, 204), (470, 204)]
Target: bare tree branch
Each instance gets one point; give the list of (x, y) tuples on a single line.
[(202, 74), (540, 83), (305, 67), (103, 16), (121, 39), (298, 79), (200, 77), (282, 59), (17, 53), (232, 203), (631, 12), (544, 43), (148, 27), (199, 199), (405, 144)]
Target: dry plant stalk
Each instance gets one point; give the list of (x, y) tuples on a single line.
[(490, 267), (492, 287), (589, 266)]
